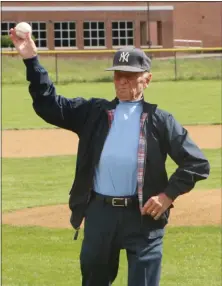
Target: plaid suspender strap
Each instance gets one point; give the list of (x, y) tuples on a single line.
[(110, 116), (141, 155), (141, 160)]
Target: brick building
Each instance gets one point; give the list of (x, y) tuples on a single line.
[(109, 25)]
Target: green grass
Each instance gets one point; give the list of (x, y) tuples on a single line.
[(34, 256), (39, 256), (29, 182), (195, 102), (73, 69)]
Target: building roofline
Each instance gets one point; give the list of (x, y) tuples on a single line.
[(84, 8)]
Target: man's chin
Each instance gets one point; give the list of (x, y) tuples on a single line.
[(123, 96)]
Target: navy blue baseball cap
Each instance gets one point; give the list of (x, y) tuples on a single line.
[(130, 60)]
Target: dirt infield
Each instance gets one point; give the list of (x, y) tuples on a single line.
[(52, 142), (195, 208)]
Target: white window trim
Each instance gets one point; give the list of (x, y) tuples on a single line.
[(7, 22), (90, 37), (65, 48), (152, 47), (95, 47), (43, 49), (121, 47), (123, 29), (86, 8), (66, 30), (14, 50), (40, 30)]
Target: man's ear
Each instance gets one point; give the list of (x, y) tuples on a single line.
[(147, 79)]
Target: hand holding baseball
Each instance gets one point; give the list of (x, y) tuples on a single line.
[(25, 46), (157, 205)]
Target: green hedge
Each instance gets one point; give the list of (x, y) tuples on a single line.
[(6, 42)]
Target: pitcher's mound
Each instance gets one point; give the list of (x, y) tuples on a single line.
[(193, 209)]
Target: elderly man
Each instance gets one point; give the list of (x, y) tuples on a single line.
[(121, 186)]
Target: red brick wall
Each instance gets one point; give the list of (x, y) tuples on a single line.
[(192, 20), (106, 16), (197, 21)]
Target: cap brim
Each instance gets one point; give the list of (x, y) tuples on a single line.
[(125, 68)]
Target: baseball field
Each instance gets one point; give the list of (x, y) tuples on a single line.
[(38, 165)]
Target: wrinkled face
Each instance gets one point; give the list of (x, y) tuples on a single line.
[(130, 85)]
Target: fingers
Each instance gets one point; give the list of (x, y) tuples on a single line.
[(148, 207), (29, 37), (16, 39), (157, 215), (12, 35), (153, 208), (156, 206), (156, 212)]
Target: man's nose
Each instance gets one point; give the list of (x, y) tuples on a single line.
[(123, 80)]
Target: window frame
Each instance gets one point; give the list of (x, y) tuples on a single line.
[(40, 30), (8, 26), (98, 38), (67, 30), (126, 29)]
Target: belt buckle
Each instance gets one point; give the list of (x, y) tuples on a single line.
[(116, 204)]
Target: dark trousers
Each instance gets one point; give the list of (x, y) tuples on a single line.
[(109, 229)]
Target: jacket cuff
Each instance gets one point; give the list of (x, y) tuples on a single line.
[(171, 193), (31, 61)]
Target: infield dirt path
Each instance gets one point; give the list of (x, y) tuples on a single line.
[(52, 142), (195, 208)]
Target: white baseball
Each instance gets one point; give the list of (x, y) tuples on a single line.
[(22, 29)]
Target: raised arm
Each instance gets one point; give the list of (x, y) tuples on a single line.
[(66, 113)]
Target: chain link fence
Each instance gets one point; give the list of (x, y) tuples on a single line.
[(89, 66)]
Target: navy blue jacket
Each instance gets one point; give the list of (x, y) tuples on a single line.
[(89, 120)]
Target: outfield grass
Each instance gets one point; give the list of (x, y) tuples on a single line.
[(29, 182), (73, 69), (38, 256), (195, 102)]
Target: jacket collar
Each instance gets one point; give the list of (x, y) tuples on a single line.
[(110, 105)]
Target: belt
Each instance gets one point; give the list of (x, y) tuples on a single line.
[(118, 201)]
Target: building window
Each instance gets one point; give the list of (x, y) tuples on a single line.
[(122, 33), (94, 34), (65, 34), (6, 26), (40, 33)]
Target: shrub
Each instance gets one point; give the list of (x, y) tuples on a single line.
[(6, 42)]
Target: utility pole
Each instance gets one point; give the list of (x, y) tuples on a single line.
[(148, 24)]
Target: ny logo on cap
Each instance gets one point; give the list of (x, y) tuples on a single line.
[(124, 57)]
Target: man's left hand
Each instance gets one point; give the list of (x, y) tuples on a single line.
[(157, 205)]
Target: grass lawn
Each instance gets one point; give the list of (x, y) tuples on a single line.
[(194, 102), (29, 182), (73, 69), (40, 256)]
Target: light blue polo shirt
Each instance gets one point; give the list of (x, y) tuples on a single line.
[(116, 174)]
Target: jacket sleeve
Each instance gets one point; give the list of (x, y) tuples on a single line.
[(55, 109), (192, 164)]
